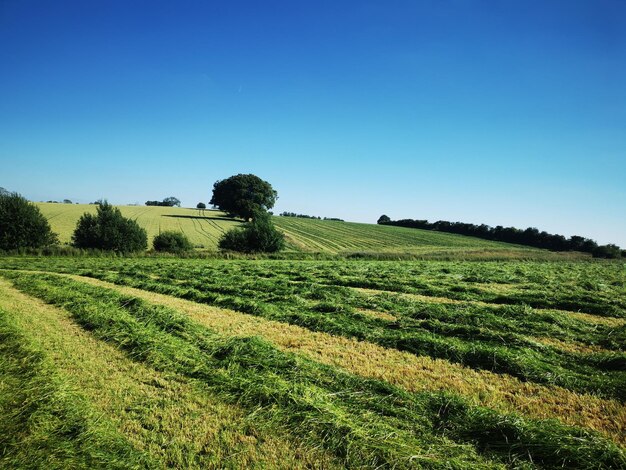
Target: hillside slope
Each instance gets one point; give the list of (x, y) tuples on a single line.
[(204, 229), (349, 237)]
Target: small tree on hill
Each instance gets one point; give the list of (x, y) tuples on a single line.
[(201, 205), (22, 224), (243, 196), (173, 242), (109, 230), (171, 201), (383, 219)]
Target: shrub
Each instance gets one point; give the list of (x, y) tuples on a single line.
[(109, 230), (259, 235), (22, 225), (607, 251), (173, 242)]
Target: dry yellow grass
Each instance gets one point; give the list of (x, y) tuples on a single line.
[(569, 346), (586, 317), (139, 400), (413, 373), (375, 314), (203, 228)]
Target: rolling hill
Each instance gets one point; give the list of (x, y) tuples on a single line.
[(204, 228)]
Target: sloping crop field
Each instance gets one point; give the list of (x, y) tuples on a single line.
[(204, 228), (339, 237), (155, 362)]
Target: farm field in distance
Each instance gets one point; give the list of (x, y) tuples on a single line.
[(208, 363), (204, 228)]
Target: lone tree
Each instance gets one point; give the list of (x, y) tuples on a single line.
[(243, 196), (171, 201), (201, 205), (22, 225), (109, 230)]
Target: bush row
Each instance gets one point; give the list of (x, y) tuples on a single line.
[(23, 227)]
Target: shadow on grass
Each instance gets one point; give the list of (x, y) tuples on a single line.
[(200, 217)]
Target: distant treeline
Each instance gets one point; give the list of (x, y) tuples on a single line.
[(530, 236), (167, 202), (305, 216), (65, 201)]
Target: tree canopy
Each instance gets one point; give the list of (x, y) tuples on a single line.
[(22, 225), (243, 196), (167, 202), (530, 236), (108, 229)]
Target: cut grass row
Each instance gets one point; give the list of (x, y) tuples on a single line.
[(44, 423), (407, 371), (589, 287), (362, 422), (72, 401), (503, 338), (483, 338)]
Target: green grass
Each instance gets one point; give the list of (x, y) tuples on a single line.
[(349, 237), (521, 332), (492, 326), (203, 228), (364, 423), (44, 422), (306, 236), (495, 337)]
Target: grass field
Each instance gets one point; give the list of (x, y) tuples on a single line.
[(154, 362), (204, 229)]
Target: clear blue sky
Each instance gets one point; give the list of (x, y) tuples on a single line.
[(502, 112)]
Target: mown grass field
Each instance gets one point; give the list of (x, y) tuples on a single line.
[(154, 362), (204, 228)]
